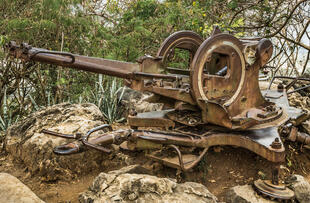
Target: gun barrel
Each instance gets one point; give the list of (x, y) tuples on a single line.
[(90, 64)]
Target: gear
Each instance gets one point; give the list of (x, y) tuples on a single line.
[(272, 191)]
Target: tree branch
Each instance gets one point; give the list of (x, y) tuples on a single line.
[(287, 19)]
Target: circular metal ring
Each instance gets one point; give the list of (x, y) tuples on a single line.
[(229, 86), (186, 40)]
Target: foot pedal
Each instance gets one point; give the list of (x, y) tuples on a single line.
[(182, 162), (173, 162)]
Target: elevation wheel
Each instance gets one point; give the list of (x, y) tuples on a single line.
[(218, 70), (179, 47)]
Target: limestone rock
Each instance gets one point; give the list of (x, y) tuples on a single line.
[(140, 102), (137, 169), (12, 190), (306, 126), (25, 142), (118, 186), (298, 101), (301, 188), (244, 194), (128, 94)]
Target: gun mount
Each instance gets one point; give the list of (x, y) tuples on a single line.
[(216, 100)]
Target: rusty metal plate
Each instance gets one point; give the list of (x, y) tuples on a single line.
[(280, 98), (173, 162), (151, 119), (258, 141)]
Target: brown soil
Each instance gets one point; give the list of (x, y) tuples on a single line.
[(222, 168)]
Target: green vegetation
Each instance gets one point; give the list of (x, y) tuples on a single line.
[(115, 29)]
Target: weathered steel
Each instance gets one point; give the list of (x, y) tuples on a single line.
[(220, 87), (275, 191), (260, 141), (222, 79), (151, 119), (217, 93)]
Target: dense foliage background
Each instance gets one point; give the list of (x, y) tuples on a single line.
[(126, 30)]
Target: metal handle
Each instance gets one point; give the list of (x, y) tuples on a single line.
[(64, 149), (67, 149), (97, 147), (101, 127), (55, 53)]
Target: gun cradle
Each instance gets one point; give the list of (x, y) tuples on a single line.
[(221, 82)]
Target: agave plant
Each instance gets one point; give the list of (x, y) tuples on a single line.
[(110, 100), (6, 118), (107, 96)]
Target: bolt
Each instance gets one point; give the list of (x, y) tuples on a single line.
[(280, 87), (78, 136), (276, 144)]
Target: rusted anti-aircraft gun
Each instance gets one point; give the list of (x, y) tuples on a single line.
[(215, 101)]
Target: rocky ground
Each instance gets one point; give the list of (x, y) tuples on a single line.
[(225, 174)]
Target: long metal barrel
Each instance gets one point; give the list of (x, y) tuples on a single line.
[(91, 64)]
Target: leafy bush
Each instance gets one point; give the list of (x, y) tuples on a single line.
[(120, 30)]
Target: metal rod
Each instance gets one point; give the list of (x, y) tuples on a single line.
[(286, 77), (194, 163), (110, 138), (179, 156), (153, 75), (101, 127), (298, 89), (275, 174), (55, 53), (97, 147), (68, 136)]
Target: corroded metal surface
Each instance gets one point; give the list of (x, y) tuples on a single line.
[(278, 192), (151, 119), (221, 79), (232, 100), (216, 94), (219, 86), (259, 141)]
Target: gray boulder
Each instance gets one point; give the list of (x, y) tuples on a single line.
[(26, 144), (301, 188), (138, 101), (296, 100), (126, 186), (12, 190), (306, 126), (244, 194)]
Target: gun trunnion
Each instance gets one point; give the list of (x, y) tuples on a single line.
[(218, 94)]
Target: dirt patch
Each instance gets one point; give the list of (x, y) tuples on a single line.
[(63, 178)]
